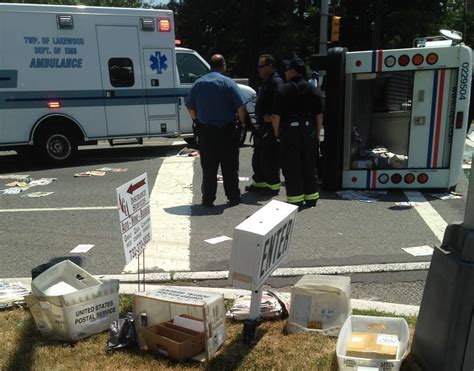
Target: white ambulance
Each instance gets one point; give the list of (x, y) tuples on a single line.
[(77, 75), (397, 118)]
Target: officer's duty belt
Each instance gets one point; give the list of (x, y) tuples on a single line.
[(297, 123)]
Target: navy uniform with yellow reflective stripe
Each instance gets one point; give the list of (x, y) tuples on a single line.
[(265, 157), (297, 121)]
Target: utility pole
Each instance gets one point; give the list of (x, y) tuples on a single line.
[(323, 28)]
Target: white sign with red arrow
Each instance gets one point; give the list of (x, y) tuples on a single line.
[(134, 212)]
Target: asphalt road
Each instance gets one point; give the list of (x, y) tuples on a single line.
[(336, 233)]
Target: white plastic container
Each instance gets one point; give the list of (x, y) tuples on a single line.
[(67, 303), (379, 325), (319, 300), (163, 304)]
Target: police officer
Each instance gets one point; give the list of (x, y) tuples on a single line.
[(265, 158), (213, 103), (297, 120)]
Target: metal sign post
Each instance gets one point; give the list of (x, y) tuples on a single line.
[(259, 246)]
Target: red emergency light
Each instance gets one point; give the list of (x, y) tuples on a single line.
[(432, 58), (422, 178), (403, 60), (409, 178), (396, 178), (164, 25), (54, 104), (417, 59)]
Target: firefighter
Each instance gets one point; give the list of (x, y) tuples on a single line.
[(265, 157), (297, 121)]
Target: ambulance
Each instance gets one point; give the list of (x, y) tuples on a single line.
[(74, 75), (396, 119)]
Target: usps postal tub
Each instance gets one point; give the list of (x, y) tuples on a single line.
[(68, 303), (168, 303), (382, 326), (319, 304)]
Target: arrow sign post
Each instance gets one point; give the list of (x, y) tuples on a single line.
[(133, 202)]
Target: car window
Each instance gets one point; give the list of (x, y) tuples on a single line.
[(190, 68), (121, 72)]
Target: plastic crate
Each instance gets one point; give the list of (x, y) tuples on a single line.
[(378, 325)]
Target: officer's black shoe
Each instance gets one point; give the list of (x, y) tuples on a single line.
[(252, 188), (311, 203), (271, 192), (207, 204), (234, 201)]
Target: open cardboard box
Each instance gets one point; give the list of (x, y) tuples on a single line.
[(187, 307), (174, 341)]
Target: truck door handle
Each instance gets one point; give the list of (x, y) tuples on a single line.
[(110, 94)]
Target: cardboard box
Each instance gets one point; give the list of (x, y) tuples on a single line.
[(194, 307), (174, 341), (372, 345)]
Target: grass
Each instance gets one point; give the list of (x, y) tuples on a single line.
[(23, 348)]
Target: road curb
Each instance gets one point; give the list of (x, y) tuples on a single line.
[(231, 293)]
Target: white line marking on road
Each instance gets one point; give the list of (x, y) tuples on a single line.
[(58, 209), (431, 217), (170, 209)]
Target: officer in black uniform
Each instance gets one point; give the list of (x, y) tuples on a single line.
[(297, 121), (265, 158)]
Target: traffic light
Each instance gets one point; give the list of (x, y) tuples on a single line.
[(335, 28)]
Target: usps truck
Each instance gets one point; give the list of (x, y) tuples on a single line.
[(397, 118), (73, 75)]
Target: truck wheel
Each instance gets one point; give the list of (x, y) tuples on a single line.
[(57, 145)]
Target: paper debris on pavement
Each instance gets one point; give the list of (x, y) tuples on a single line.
[(17, 184), (119, 169), (42, 182), (419, 250), (355, 196), (270, 307), (104, 169), (446, 195), (82, 174), (12, 294), (14, 176), (406, 204), (38, 194), (215, 240), (82, 248), (188, 152), (98, 173), (13, 191)]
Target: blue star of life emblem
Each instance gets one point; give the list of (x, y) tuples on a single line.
[(158, 62)]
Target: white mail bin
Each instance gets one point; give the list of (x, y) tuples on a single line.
[(168, 303), (319, 304), (385, 332), (67, 303)]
